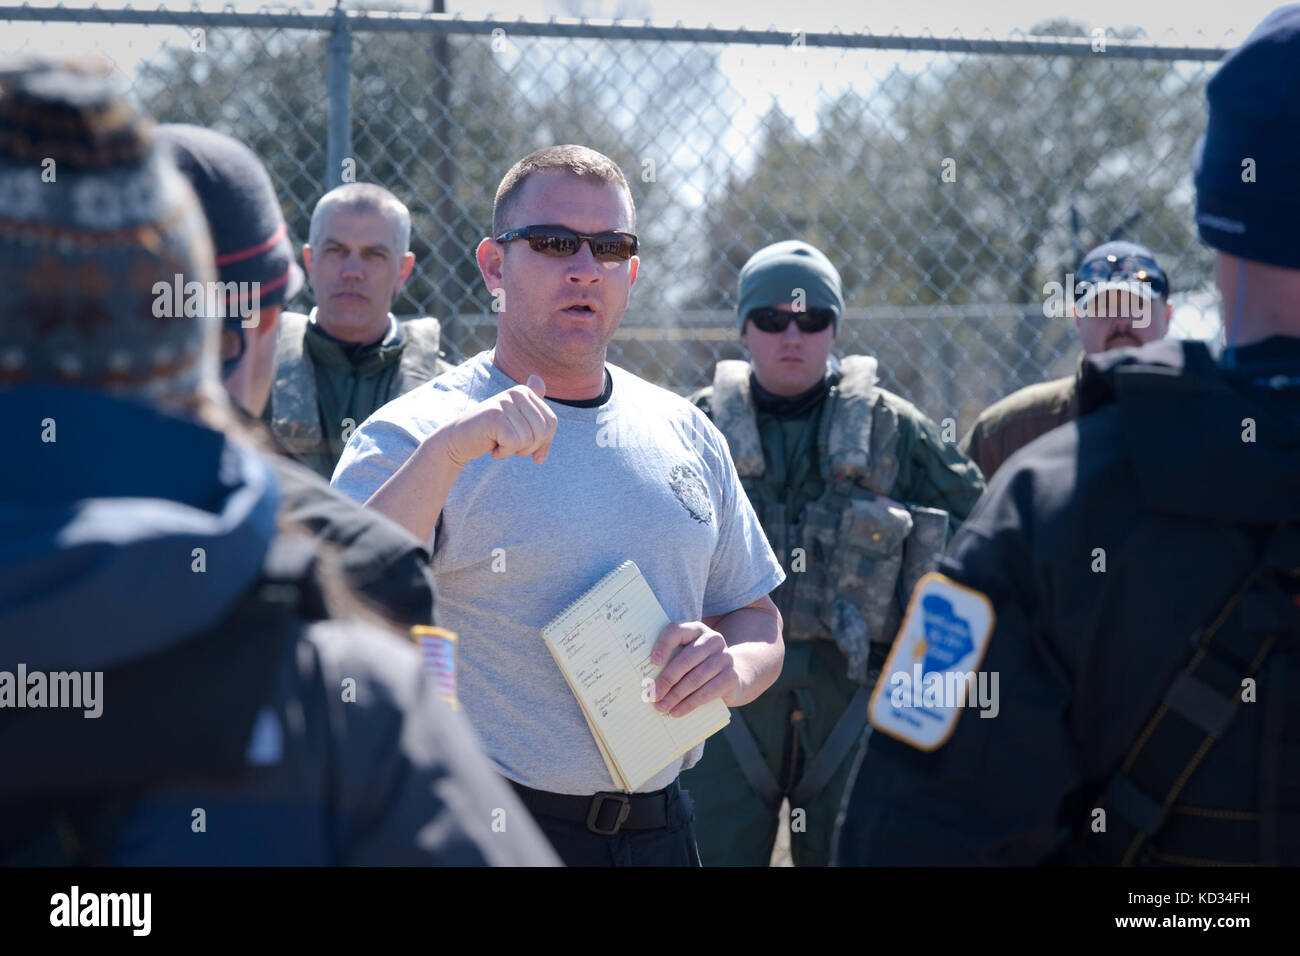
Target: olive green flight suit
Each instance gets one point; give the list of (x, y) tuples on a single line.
[(793, 720)]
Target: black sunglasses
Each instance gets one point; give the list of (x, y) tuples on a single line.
[(775, 320), (1141, 268), (560, 243)]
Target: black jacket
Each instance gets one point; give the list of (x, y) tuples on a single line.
[(215, 717), (384, 564), (1163, 484)]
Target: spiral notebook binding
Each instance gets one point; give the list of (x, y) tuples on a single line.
[(561, 621)]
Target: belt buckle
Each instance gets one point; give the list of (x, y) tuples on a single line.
[(593, 815)]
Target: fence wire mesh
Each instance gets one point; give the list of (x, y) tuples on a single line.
[(949, 179)]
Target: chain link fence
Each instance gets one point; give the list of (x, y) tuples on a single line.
[(949, 179)]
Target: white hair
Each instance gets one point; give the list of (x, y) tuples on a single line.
[(364, 197)]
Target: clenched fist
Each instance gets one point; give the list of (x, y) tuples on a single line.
[(513, 422)]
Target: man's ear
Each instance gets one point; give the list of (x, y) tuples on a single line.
[(306, 259), (490, 256), (404, 272)]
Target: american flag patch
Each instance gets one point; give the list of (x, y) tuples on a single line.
[(438, 654)]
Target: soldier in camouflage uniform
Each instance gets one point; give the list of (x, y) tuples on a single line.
[(857, 492), (335, 367)]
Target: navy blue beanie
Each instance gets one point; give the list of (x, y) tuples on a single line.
[(243, 213), (1247, 166)]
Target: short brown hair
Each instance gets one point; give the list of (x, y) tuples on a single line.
[(581, 161)]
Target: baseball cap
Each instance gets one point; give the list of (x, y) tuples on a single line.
[(1121, 267)]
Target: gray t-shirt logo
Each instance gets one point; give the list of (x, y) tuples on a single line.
[(645, 478), (690, 491)]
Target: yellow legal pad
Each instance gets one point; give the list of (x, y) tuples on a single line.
[(602, 643)]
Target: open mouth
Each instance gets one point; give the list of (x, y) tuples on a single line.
[(580, 308)]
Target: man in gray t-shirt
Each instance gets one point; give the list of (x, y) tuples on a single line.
[(620, 469)]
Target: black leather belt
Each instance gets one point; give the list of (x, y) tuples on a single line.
[(603, 813)]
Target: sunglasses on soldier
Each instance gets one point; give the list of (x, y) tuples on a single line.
[(767, 319), (559, 242)]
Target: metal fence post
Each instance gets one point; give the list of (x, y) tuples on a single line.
[(445, 247), (338, 135)]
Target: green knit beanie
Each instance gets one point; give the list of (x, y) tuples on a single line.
[(774, 273)]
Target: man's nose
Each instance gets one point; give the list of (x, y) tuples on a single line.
[(1121, 315), (582, 265), (352, 264), (792, 331)]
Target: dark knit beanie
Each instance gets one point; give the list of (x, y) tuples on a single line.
[(1247, 166), (96, 223)]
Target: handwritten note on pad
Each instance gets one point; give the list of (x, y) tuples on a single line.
[(602, 642)]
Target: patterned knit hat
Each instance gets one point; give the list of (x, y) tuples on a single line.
[(100, 239)]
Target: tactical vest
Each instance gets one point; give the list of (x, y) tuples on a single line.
[(853, 555), (295, 408)]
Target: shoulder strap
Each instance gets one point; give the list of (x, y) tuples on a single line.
[(734, 416), (420, 356), (851, 728), (295, 404), (1197, 708), (750, 760), (862, 431)]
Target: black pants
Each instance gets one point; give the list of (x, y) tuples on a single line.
[(673, 845)]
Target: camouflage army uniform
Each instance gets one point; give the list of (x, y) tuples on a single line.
[(1010, 424), (857, 494), (296, 413)]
